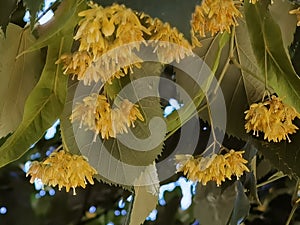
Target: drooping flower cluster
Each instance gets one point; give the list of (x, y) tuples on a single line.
[(96, 114), (103, 29), (166, 37), (100, 31), (213, 16), (63, 169), (213, 168), (273, 117), (297, 13)]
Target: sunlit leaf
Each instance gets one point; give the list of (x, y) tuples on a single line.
[(145, 198), (18, 76), (270, 53), (45, 103)]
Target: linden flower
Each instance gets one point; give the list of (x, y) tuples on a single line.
[(166, 37), (272, 117), (131, 112), (236, 163), (97, 115), (257, 117), (63, 169), (213, 168), (213, 16), (85, 111), (77, 64), (297, 13), (101, 30), (113, 64)]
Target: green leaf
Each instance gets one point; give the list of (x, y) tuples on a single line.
[(270, 53), (279, 10), (254, 85), (241, 205), (33, 6), (66, 128), (212, 205), (284, 156), (145, 198), (7, 7), (144, 203), (64, 15), (111, 156), (45, 103), (42, 108), (67, 131), (18, 76)]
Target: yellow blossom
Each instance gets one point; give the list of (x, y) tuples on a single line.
[(85, 112), (96, 114), (168, 39), (213, 16), (131, 112), (257, 117), (212, 168), (76, 64), (236, 163), (297, 13), (273, 117), (100, 31), (63, 169)]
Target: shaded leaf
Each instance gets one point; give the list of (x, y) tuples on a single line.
[(7, 7), (212, 205), (33, 6), (241, 205), (279, 10), (18, 76), (284, 156)]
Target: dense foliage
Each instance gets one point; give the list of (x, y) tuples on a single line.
[(110, 72)]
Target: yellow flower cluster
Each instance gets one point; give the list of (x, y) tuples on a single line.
[(297, 13), (166, 37), (96, 114), (214, 168), (272, 117), (63, 169), (100, 31), (213, 16), (103, 29)]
